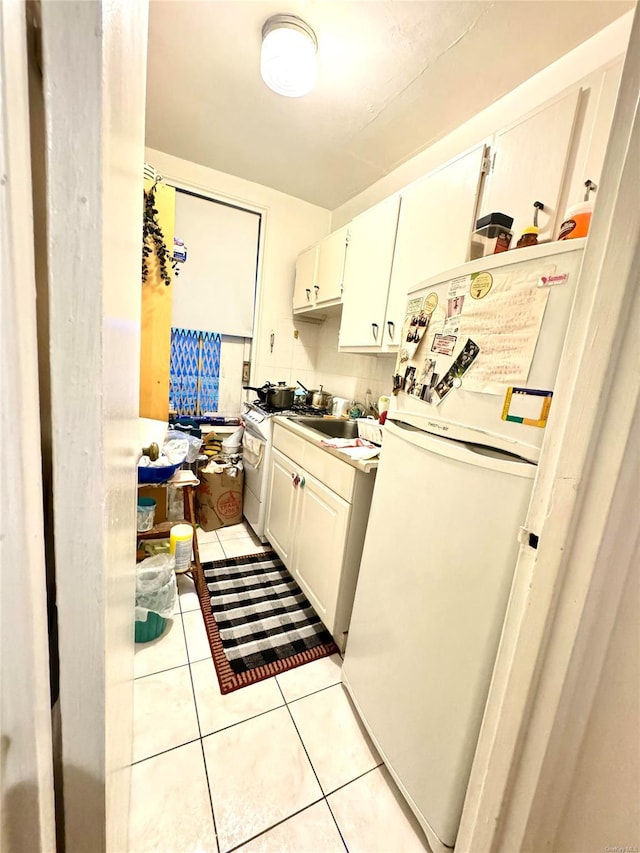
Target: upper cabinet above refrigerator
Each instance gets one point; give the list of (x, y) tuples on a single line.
[(528, 164), (437, 215)]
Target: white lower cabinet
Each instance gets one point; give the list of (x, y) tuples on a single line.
[(317, 533), (282, 506), (322, 526)]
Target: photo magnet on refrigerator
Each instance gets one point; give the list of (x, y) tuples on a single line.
[(452, 377)]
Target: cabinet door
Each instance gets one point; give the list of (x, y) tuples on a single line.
[(281, 506), (332, 252), (372, 237), (529, 163), (323, 522), (306, 269), (437, 215)]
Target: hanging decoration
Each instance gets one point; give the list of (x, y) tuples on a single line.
[(153, 241)]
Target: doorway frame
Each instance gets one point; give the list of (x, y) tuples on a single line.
[(566, 592)]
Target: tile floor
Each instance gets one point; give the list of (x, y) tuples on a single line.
[(282, 766)]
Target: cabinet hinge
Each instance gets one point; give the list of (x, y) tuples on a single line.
[(487, 163), (526, 537), (347, 238)]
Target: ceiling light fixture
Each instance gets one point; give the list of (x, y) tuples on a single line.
[(288, 61)]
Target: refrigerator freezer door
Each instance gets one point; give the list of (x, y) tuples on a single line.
[(512, 275), (434, 581)]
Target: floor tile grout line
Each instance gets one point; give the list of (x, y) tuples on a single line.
[(164, 751), (245, 720), (274, 825), (213, 814), (159, 671), (355, 779), (204, 760), (312, 693), (324, 796)]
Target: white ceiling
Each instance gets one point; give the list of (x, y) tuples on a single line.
[(393, 77)]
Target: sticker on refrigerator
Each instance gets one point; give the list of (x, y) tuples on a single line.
[(444, 344), (481, 283), (430, 303), (453, 376), (551, 280), (527, 406)]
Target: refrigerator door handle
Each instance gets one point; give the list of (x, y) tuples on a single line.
[(471, 454)]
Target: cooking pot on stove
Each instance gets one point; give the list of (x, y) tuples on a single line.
[(279, 396), (319, 399)]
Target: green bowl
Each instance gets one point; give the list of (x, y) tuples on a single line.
[(152, 628)]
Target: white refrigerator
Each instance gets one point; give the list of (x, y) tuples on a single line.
[(475, 373)]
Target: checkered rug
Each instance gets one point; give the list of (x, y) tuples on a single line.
[(258, 620)]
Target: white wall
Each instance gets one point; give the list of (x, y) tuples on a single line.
[(26, 777), (602, 807), (288, 226), (94, 91), (604, 49)]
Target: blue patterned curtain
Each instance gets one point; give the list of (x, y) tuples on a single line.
[(194, 373), (209, 372)]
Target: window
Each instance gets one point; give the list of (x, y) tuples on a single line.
[(194, 373)]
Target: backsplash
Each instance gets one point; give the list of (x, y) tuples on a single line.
[(313, 358)]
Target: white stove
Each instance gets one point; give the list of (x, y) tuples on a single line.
[(258, 422)]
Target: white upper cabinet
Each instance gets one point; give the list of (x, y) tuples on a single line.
[(367, 275), (306, 271), (332, 253), (529, 161), (437, 215), (320, 273)]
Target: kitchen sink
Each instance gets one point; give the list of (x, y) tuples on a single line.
[(327, 427)]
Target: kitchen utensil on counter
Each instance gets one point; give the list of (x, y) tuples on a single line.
[(279, 396), (317, 398), (340, 407)]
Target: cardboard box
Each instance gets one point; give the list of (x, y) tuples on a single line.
[(219, 498)]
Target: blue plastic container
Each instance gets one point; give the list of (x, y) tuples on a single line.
[(154, 476)]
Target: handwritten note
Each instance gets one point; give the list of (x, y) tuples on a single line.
[(505, 325)]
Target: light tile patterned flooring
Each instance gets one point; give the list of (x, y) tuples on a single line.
[(282, 766)]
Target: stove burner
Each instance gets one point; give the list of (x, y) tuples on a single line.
[(296, 409)]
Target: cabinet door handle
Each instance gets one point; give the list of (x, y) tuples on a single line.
[(316, 287), (391, 326), (295, 479), (374, 327), (302, 482), (308, 290)]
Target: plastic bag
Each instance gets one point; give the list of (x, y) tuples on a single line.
[(156, 588), (176, 450), (194, 443)]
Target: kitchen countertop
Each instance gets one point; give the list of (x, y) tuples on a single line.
[(364, 465)]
